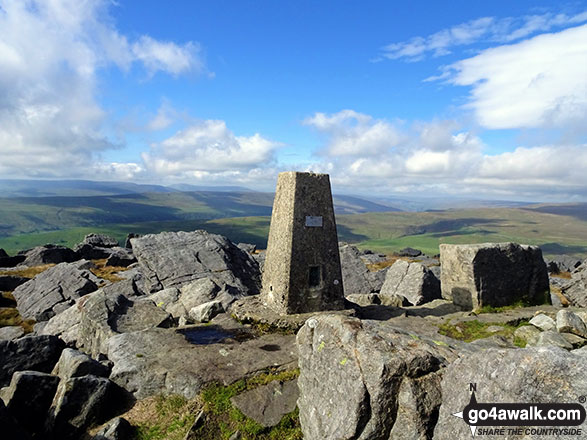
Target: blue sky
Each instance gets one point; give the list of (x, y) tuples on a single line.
[(459, 98)]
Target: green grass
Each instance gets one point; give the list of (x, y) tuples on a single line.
[(30, 224), (170, 419), (469, 331), (223, 419)]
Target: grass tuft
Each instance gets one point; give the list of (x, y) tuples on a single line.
[(27, 272), (223, 419), (469, 331), (9, 316), (107, 272)]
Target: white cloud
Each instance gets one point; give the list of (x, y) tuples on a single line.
[(540, 82), (51, 122), (351, 133), (209, 148), (167, 57), (436, 157), (487, 29)]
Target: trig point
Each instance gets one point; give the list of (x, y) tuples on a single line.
[(302, 269)]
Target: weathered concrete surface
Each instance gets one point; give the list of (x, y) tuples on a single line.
[(529, 375), (493, 274), (302, 268), (358, 379), (157, 361), (251, 310), (173, 259)]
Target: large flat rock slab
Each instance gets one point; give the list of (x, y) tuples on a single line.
[(159, 360)]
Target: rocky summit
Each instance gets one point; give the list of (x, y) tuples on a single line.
[(175, 338)]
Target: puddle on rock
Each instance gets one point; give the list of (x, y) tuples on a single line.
[(213, 334)]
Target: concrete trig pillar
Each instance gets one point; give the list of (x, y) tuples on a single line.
[(302, 267)]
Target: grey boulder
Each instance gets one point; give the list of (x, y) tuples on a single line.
[(79, 403), (543, 322), (28, 398), (11, 332), (73, 363), (367, 379), (117, 429), (356, 278), (48, 254), (413, 281), (173, 259), (493, 274), (54, 290), (576, 289), (105, 314), (529, 375), (37, 353), (10, 282), (569, 322)]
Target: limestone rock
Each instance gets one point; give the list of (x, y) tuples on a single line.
[(105, 314), (120, 257), (53, 291), (528, 333), (574, 340), (10, 282), (409, 252), (205, 312), (356, 278), (28, 398), (117, 429), (351, 374), (552, 338), (576, 289), (37, 353), (368, 299), (158, 360), (65, 325), (11, 332), (173, 259), (248, 248), (413, 281), (11, 261), (569, 322), (562, 263), (99, 240), (267, 404), (73, 363), (493, 274), (10, 428), (543, 322), (48, 254), (79, 403), (530, 375)]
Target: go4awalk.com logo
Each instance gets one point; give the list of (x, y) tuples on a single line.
[(549, 419)]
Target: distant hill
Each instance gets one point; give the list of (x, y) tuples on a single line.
[(74, 188), (576, 210), (24, 215), (190, 188)]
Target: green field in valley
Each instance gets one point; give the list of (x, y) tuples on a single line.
[(558, 229)]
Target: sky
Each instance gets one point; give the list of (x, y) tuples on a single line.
[(422, 98)]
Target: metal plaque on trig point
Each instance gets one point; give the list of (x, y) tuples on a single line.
[(314, 221)]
